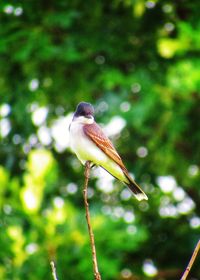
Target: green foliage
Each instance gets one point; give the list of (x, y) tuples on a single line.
[(134, 60)]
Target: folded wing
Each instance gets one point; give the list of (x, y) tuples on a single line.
[(95, 133)]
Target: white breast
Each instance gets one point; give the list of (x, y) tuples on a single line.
[(83, 147), (86, 150)]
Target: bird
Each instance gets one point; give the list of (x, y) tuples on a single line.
[(90, 144)]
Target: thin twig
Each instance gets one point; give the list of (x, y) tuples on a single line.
[(97, 275), (53, 270), (195, 252)]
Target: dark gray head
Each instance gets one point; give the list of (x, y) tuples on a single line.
[(84, 110)]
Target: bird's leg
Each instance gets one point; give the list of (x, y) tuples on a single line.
[(92, 165)]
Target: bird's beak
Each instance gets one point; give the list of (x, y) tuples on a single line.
[(89, 117)]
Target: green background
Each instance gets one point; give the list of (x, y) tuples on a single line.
[(138, 63)]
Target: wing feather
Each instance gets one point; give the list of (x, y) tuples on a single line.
[(95, 133)]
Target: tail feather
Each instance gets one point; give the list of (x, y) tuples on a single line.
[(136, 190)]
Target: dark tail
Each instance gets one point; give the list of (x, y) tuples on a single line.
[(137, 191)]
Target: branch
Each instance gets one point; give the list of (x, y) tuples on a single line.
[(97, 275), (195, 252), (53, 269)]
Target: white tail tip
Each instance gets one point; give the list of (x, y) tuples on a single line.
[(141, 196)]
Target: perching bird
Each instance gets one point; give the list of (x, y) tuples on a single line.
[(89, 143)]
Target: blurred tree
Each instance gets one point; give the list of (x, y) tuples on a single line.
[(138, 63)]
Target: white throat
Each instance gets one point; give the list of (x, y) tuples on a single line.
[(83, 120)]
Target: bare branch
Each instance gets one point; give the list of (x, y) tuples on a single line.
[(53, 269), (195, 252), (97, 275)]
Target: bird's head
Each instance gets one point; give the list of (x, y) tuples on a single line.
[(84, 113)]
